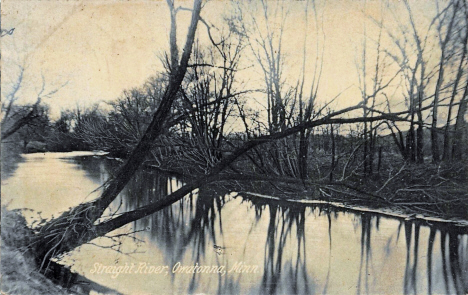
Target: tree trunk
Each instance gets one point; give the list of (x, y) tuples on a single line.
[(303, 154), (460, 127), (138, 156), (332, 152), (447, 138), (420, 132), (440, 79), (86, 215), (411, 142)]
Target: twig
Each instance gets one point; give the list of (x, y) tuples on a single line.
[(391, 178)]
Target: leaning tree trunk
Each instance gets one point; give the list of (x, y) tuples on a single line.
[(83, 217)]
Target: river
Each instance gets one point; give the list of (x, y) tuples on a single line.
[(217, 242)]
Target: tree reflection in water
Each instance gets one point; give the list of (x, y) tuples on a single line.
[(366, 254), (284, 224), (289, 235)]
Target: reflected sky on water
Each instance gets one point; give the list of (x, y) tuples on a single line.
[(242, 246)]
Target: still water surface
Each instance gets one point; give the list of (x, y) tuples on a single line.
[(214, 242)]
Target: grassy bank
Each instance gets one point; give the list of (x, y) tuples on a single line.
[(20, 273), (20, 270)]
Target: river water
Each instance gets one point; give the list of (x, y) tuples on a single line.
[(217, 242)]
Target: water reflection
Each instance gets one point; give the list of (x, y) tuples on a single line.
[(299, 249), (284, 225), (271, 248)]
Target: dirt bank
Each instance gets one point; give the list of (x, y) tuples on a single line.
[(20, 272)]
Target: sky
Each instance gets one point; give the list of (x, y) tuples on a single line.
[(90, 51)]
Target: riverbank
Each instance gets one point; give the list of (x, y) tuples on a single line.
[(462, 224), (435, 192), (20, 273), (430, 191)]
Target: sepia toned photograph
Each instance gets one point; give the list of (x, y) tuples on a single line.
[(234, 147)]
